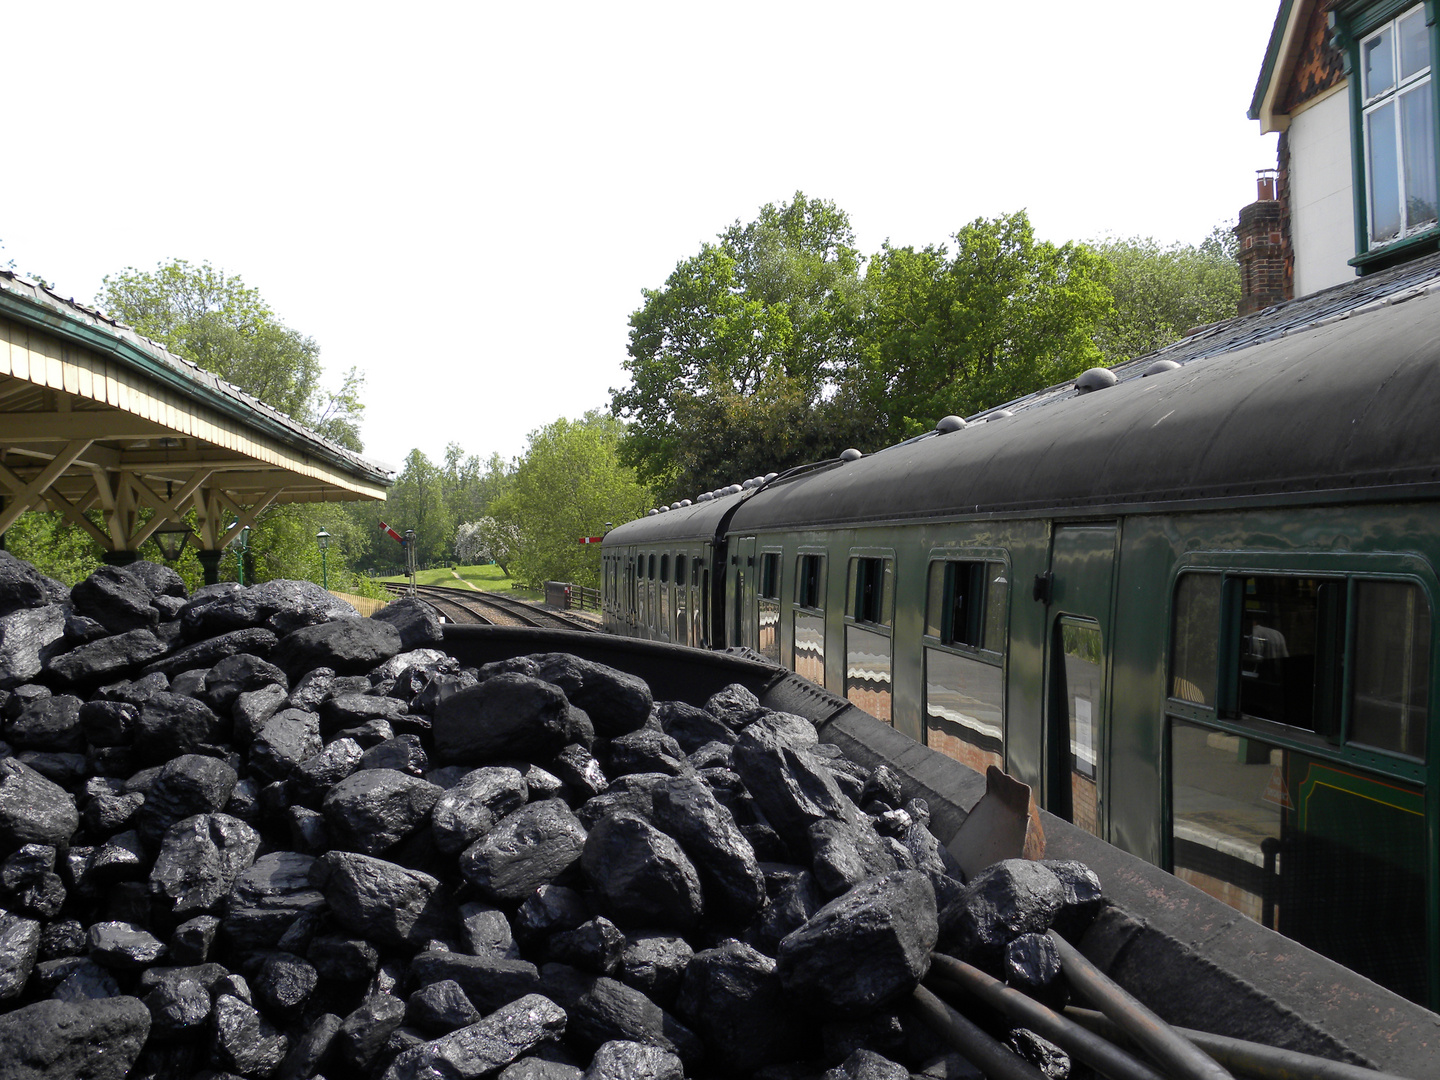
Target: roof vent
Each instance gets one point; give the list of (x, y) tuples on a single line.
[(1158, 366), (748, 484), (686, 502), (675, 506), (999, 414), (770, 476), (663, 509), (651, 512), (851, 455), (757, 480), (947, 424), (706, 497), (1097, 378), (733, 489)]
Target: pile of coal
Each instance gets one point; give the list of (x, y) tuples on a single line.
[(248, 833)]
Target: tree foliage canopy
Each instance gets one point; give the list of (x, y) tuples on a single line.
[(217, 321), (1005, 315), (1161, 291), (770, 309), (568, 484)]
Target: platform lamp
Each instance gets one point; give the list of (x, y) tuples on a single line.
[(323, 539), (240, 545), (171, 539)]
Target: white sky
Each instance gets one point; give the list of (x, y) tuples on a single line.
[(464, 200)]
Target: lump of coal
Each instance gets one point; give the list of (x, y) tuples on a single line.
[(529, 848), (1000, 903), (641, 876), (866, 949)]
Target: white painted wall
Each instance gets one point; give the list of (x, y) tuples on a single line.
[(1322, 211)]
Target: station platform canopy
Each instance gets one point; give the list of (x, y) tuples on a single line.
[(93, 416)]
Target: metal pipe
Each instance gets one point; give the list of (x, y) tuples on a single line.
[(1100, 1054), (1171, 1052), (983, 1051), (1248, 1058)]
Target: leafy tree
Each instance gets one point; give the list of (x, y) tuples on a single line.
[(771, 309), (569, 482), (487, 540), (226, 327), (1161, 291), (1003, 316), (416, 501)]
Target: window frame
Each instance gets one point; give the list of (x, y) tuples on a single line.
[(802, 598), (1351, 30), (1348, 569), (982, 557), (855, 583)]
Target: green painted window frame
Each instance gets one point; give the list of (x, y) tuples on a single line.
[(1349, 25)]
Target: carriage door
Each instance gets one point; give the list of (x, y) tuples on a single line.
[(1078, 596), (742, 630)]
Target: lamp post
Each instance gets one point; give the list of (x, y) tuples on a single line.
[(323, 539), (241, 546)]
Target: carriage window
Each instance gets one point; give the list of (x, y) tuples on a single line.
[(664, 567), (770, 575), (1193, 648), (651, 574), (966, 603), (810, 581), (869, 591), (1291, 639), (1390, 685), (679, 569)]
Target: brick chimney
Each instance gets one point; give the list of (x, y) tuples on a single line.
[(1264, 276)]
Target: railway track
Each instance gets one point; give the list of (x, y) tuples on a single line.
[(490, 609)]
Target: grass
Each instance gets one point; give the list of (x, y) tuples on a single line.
[(488, 578)]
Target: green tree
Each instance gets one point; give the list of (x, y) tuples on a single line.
[(770, 310), (417, 502), (568, 484), (1003, 316), (226, 327), (1161, 291)]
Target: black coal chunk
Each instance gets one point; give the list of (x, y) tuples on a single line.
[(348, 645), (389, 904), (792, 789), (484, 1047), (29, 638), (655, 964), (22, 586), (623, 1059), (117, 599), (465, 812), (186, 785), (866, 949), (365, 1031), (374, 809), (440, 1007), (602, 1009), (843, 854), (1032, 966), (488, 981), (640, 876), (706, 830), (199, 861), (616, 701), (172, 724), (868, 1065), (34, 809), (506, 717), (594, 945), (1000, 903), (527, 849), (60, 1038), (733, 998), (416, 621)]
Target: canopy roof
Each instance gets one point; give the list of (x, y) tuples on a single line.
[(94, 416)]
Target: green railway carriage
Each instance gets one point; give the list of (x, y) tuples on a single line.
[(1192, 609)]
